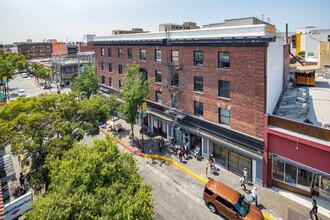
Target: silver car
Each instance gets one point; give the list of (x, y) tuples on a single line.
[(21, 93)]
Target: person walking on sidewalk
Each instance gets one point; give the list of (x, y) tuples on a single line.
[(254, 196), (245, 175), (159, 144), (242, 181), (207, 168), (22, 180), (313, 211)]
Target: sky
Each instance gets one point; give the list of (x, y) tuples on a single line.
[(69, 20)]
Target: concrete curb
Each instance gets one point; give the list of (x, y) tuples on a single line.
[(155, 156)]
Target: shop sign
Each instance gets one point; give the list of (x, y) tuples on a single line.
[(17, 207)]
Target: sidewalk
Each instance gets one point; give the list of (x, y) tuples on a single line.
[(41, 85), (276, 203)]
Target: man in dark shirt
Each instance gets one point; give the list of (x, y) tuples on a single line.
[(313, 211)]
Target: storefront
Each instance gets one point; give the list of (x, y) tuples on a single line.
[(299, 178)]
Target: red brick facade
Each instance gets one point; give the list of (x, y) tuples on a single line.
[(247, 77)]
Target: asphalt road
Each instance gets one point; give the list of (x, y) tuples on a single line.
[(23, 83)]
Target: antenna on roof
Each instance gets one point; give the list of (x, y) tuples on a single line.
[(262, 17)]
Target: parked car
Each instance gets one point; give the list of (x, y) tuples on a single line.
[(228, 202), (21, 93), (24, 75), (48, 86)]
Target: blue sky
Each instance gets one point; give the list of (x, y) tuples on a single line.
[(70, 19)]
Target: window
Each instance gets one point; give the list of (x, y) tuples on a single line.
[(121, 83), (198, 58), (198, 84), (110, 67), (175, 57), (325, 186), (175, 101), (110, 81), (310, 54), (328, 38), (143, 54), (290, 174), (102, 51), (304, 177), (109, 52), (158, 76), (224, 116), (175, 79), (198, 106), (129, 53), (208, 192), (102, 65), (120, 69), (225, 203), (103, 79), (120, 53), (224, 89), (224, 60), (158, 96), (278, 170), (158, 55)]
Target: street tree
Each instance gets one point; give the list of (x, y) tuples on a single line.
[(22, 64), (86, 83), (133, 93), (97, 182), (43, 127), (113, 107), (40, 72)]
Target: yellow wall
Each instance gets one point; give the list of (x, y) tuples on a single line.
[(298, 42), (324, 58)]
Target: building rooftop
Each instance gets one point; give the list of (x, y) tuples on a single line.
[(308, 104)]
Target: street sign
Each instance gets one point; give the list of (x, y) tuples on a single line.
[(144, 106), (4, 79)]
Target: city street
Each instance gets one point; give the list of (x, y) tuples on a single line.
[(23, 83)]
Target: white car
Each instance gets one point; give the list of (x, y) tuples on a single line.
[(21, 93), (24, 75)]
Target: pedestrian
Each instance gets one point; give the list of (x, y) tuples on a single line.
[(212, 163), (313, 211), (163, 143), (22, 180), (196, 152), (255, 196), (180, 156), (207, 167), (173, 144), (159, 145), (245, 174), (242, 181), (182, 149)]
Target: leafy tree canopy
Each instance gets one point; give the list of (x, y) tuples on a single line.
[(86, 83), (97, 182), (40, 71)]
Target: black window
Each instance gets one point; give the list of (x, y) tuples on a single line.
[(103, 79), (208, 192), (120, 69), (110, 81), (175, 101), (158, 96), (175, 79), (158, 76), (198, 106), (224, 116), (225, 203), (175, 57), (102, 51), (158, 55), (121, 83), (120, 53), (224, 89), (129, 53), (102, 65), (328, 38), (198, 84), (110, 67), (143, 54), (198, 58), (224, 60), (109, 52)]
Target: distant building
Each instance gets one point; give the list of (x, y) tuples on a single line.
[(133, 31), (60, 48), (35, 50), (88, 38), (242, 21), (49, 40), (175, 27)]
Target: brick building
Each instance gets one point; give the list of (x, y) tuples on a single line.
[(35, 50), (210, 87)]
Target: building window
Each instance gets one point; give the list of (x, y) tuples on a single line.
[(158, 55), (198, 106), (278, 170), (109, 52), (224, 60), (120, 53), (175, 79), (158, 96), (102, 65), (198, 84), (120, 83), (325, 186), (143, 54), (110, 67), (224, 116), (310, 54), (290, 174), (120, 69), (102, 51), (224, 89), (175, 101), (304, 178), (158, 76), (110, 81), (328, 38), (129, 53), (198, 58), (175, 57), (103, 79)]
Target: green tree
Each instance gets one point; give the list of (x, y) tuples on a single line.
[(44, 127), (97, 182), (133, 93), (86, 83), (22, 64), (113, 107), (40, 72), (302, 54)]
